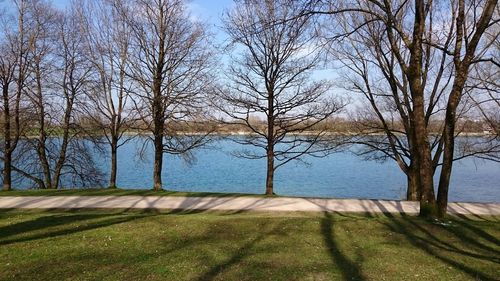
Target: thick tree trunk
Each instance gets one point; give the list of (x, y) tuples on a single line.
[(425, 166), (413, 177), (270, 172), (428, 206), (7, 161), (114, 164), (414, 73)]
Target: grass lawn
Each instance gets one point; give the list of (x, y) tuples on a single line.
[(116, 245)]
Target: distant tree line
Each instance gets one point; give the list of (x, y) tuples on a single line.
[(417, 73)]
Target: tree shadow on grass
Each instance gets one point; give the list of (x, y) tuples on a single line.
[(63, 224), (243, 252), (349, 269), (445, 241)]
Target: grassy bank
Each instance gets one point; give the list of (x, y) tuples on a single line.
[(106, 245), (115, 192)]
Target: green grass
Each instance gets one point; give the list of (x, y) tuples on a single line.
[(115, 192), (109, 245)]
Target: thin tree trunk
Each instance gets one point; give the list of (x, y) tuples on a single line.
[(158, 144), (114, 164), (448, 151), (42, 138), (462, 69), (65, 140), (270, 139), (158, 129), (7, 168), (449, 141), (270, 172)]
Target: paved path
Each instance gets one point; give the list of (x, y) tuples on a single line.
[(235, 204)]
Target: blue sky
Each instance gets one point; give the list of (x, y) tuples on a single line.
[(209, 11)]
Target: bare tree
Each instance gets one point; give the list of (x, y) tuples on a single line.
[(485, 76), (107, 43), (384, 124), (41, 69), (425, 55), (57, 82), (170, 65), (270, 78), (13, 70), (471, 25)]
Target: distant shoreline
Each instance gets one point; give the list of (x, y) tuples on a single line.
[(309, 133)]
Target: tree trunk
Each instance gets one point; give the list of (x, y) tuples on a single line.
[(158, 130), (270, 172), (114, 150), (413, 191), (7, 161), (158, 144), (415, 79), (462, 69), (425, 166), (270, 139), (42, 137), (448, 151), (428, 206), (65, 139), (449, 142), (7, 180)]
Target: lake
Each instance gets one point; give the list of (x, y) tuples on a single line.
[(340, 175)]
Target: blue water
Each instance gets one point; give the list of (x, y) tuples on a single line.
[(340, 175)]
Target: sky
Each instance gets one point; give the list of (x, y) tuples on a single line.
[(211, 12), (207, 11)]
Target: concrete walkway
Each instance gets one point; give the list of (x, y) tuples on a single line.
[(236, 204)]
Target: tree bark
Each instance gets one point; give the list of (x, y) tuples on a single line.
[(158, 124), (426, 170), (7, 168), (70, 98), (462, 71), (42, 137), (270, 171), (413, 190), (114, 164), (415, 79), (448, 149), (158, 144)]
